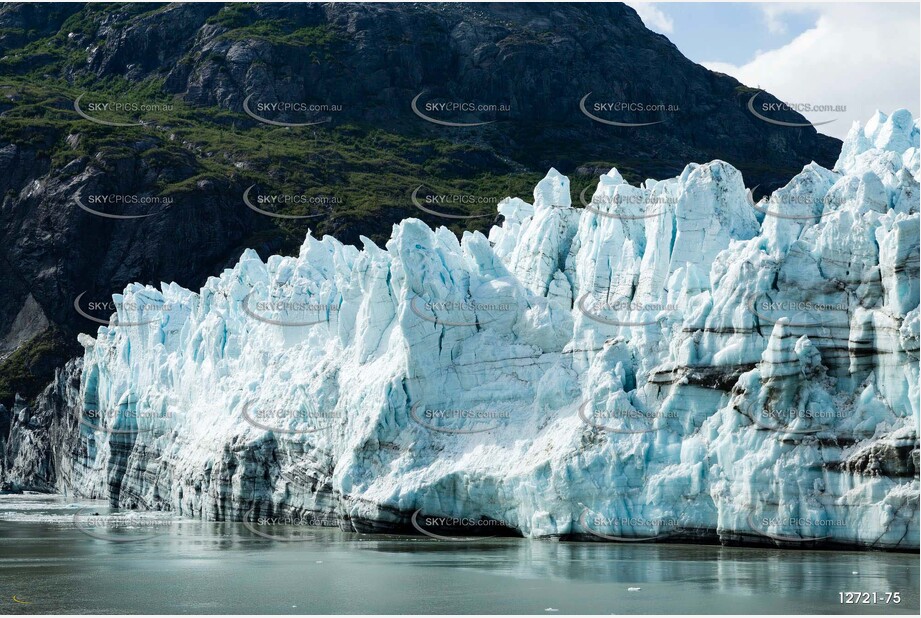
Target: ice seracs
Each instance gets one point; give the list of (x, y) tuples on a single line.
[(670, 361)]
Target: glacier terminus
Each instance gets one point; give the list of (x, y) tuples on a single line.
[(671, 362)]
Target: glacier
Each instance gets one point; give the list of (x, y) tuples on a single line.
[(675, 361)]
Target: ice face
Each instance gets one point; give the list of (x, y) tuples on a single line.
[(671, 360)]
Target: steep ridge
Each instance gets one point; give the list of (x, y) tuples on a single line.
[(674, 361)]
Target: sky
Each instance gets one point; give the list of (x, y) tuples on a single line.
[(864, 56)]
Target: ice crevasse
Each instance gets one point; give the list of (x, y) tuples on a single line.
[(672, 361)]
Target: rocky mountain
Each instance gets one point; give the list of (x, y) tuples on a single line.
[(673, 362), (147, 104)]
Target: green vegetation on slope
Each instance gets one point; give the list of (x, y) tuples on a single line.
[(26, 370)]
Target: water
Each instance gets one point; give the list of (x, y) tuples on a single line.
[(52, 564)]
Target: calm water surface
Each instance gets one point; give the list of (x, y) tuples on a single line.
[(51, 563)]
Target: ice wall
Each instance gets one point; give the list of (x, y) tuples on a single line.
[(672, 361)]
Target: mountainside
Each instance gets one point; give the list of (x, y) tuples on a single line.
[(174, 111), (673, 362)]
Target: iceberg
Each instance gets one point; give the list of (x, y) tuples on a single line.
[(672, 362)]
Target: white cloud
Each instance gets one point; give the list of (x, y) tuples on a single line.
[(653, 17), (774, 12), (864, 56)]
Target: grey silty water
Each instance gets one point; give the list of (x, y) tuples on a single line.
[(49, 564)]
